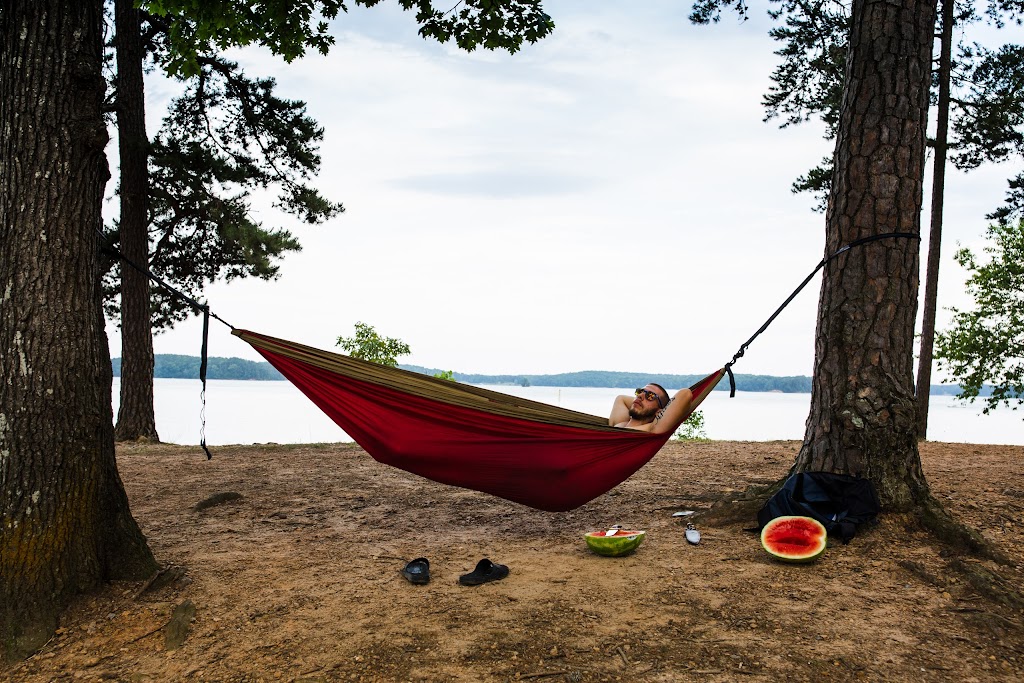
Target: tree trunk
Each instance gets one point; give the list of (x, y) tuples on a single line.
[(863, 416), (931, 288), (65, 523), (135, 417)]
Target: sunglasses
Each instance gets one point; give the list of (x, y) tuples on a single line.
[(650, 396)]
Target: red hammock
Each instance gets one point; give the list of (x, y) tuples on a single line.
[(532, 453)]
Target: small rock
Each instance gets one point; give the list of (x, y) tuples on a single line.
[(180, 624), (216, 499)]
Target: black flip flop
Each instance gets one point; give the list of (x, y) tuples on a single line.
[(417, 571), (485, 571)]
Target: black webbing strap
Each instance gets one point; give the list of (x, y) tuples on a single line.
[(202, 378), (207, 314), (821, 264)]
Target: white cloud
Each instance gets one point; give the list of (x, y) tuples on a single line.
[(606, 199)]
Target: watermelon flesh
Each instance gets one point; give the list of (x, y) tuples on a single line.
[(794, 539)]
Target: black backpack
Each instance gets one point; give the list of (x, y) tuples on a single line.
[(840, 502)]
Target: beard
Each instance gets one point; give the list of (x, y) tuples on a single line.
[(642, 413)]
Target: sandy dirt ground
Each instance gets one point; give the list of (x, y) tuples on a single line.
[(297, 579)]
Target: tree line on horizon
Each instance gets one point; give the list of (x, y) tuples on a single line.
[(175, 366)]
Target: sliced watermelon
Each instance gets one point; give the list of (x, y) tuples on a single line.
[(794, 539), (614, 542)]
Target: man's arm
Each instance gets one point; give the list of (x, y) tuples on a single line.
[(620, 410), (674, 414)]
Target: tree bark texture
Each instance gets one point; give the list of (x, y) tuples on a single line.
[(931, 287), (65, 524), (136, 418), (863, 417)]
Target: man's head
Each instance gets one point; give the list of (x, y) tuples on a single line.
[(649, 400)]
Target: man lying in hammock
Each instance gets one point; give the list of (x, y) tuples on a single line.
[(651, 410)]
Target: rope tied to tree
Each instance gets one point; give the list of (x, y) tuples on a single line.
[(821, 264), (109, 248)]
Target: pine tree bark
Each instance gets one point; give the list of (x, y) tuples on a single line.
[(65, 524), (931, 288), (863, 416), (136, 418)]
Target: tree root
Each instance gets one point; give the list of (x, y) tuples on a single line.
[(742, 508), (162, 577), (921, 572), (21, 635), (935, 519), (989, 584), (739, 508)]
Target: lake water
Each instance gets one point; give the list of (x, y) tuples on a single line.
[(245, 412)]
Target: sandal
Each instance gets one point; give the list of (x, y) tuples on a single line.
[(417, 571), (485, 571)]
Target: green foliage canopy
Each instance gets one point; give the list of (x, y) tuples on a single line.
[(987, 110), (367, 344), (288, 27), (986, 344), (226, 136)]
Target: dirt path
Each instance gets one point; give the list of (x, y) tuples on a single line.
[(298, 580)]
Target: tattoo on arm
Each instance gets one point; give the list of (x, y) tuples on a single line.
[(661, 413)]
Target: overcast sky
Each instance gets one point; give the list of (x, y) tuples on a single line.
[(608, 199)]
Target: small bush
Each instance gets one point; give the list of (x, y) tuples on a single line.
[(692, 429)]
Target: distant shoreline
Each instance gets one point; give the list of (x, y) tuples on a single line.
[(171, 366)]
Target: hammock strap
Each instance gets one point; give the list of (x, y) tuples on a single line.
[(110, 249), (821, 264), (202, 378)]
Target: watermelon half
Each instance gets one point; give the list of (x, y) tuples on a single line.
[(621, 542), (794, 539)]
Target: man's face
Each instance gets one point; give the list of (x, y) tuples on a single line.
[(646, 404)]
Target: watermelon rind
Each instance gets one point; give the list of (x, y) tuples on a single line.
[(622, 543), (794, 539)]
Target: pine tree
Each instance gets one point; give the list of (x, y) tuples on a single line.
[(979, 98), (862, 419), (185, 207), (65, 524)]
